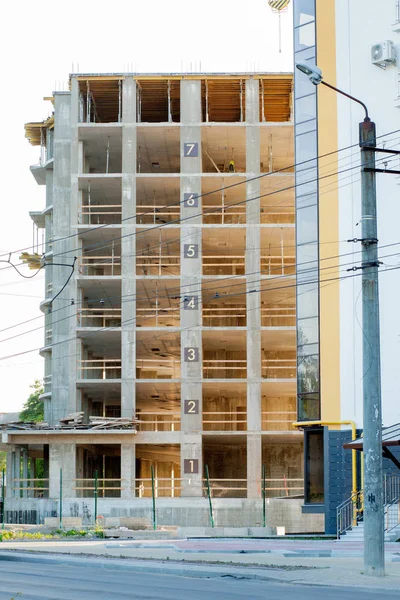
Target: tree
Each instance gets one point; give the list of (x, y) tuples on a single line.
[(33, 409)]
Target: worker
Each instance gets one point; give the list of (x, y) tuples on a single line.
[(232, 166)]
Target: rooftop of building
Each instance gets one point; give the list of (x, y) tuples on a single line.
[(222, 97)]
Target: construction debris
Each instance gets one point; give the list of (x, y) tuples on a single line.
[(111, 422), (75, 421), (75, 418)]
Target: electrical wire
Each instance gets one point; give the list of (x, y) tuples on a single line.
[(245, 181), (296, 285)]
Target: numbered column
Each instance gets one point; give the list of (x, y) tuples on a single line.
[(191, 272), (253, 303), (128, 246)]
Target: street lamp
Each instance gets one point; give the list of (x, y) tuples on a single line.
[(374, 556)]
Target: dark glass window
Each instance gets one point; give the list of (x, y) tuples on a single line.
[(307, 300), (314, 466), (307, 331), (304, 11), (307, 225), (308, 374), (308, 407), (304, 36)]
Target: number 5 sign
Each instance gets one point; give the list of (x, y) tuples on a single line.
[(191, 149)]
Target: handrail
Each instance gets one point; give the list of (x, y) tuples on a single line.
[(392, 515), (349, 512)]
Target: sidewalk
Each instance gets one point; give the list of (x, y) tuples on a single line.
[(290, 561)]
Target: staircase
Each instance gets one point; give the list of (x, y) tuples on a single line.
[(349, 514)]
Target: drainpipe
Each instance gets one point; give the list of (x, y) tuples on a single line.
[(353, 452)]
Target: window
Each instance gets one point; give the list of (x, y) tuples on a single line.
[(314, 466)]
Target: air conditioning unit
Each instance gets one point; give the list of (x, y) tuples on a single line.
[(383, 54)]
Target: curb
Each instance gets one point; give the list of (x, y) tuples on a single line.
[(155, 567), (190, 570)]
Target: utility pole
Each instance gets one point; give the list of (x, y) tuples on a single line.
[(374, 553)]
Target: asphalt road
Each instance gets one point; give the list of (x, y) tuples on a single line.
[(29, 581)]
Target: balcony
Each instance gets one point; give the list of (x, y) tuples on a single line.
[(158, 303), (96, 317), (278, 365), (224, 406), (158, 252), (100, 265), (102, 148), (100, 368), (224, 355)]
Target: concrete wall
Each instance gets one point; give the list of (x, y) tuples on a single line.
[(185, 513)]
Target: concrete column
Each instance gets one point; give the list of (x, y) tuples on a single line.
[(191, 275), (63, 352), (128, 248), (32, 477), (253, 262), (128, 470), (24, 482), (9, 472), (62, 456), (16, 483)]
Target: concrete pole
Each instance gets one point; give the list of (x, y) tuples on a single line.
[(191, 277), (128, 251), (374, 555), (253, 284)]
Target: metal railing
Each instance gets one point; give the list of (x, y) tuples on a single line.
[(104, 487), (225, 369), (224, 316), (100, 214), (278, 368), (158, 316), (158, 368), (278, 265), (391, 488), (278, 316), (100, 368), (284, 487), (167, 487), (392, 515), (100, 266), (397, 11), (30, 487), (95, 317), (151, 421), (218, 214), (225, 420), (226, 488), (223, 265), (152, 215), (348, 513), (158, 264), (278, 420)]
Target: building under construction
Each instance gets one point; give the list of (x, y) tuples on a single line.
[(170, 303)]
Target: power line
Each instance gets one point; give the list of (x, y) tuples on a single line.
[(218, 281), (295, 165), (266, 289)]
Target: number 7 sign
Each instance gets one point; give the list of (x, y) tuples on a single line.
[(191, 149)]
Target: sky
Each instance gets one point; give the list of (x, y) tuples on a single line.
[(42, 42)]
